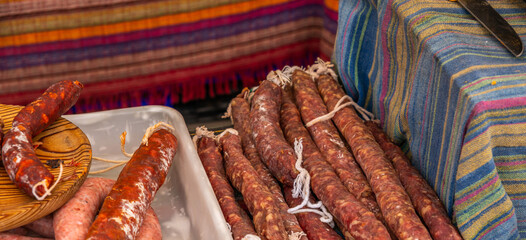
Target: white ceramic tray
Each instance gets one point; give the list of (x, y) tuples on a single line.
[(185, 204)]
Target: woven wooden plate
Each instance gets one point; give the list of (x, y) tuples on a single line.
[(62, 140)]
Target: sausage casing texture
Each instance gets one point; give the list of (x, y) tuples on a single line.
[(42, 226), (73, 219), (259, 200), (276, 153), (310, 222), (325, 183), (12, 236), (423, 196), (1, 137), (125, 206), (18, 156), (150, 227), (210, 155), (240, 117), (391, 196), (328, 140)]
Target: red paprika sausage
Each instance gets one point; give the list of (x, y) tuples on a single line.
[(259, 200), (272, 147), (42, 226), (240, 224), (150, 227), (73, 219), (391, 196), (314, 228), (240, 110), (123, 210), (354, 216), (13, 236), (423, 196), (328, 140), (19, 158)]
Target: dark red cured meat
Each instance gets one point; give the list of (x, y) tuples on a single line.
[(18, 156), (124, 208), (240, 224), (328, 140), (314, 227), (42, 226), (73, 219), (423, 196), (259, 200), (276, 153), (391, 196), (240, 116), (344, 206)]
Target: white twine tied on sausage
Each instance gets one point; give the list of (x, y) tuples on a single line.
[(340, 105), (200, 132), (288, 70), (321, 67), (149, 131), (42, 183), (228, 130), (302, 189), (279, 78), (247, 94)]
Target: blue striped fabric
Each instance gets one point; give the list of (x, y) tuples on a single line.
[(449, 93)]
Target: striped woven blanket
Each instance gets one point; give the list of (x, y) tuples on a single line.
[(452, 95), (131, 53)]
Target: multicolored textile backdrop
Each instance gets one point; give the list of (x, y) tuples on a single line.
[(131, 53), (452, 95)]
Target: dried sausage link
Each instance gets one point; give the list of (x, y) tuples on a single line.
[(310, 222), (124, 208), (42, 226), (1, 138), (19, 158), (13, 236), (240, 116), (423, 196), (276, 153), (240, 224), (391, 196), (259, 200), (73, 219), (344, 206), (328, 140), (150, 227)]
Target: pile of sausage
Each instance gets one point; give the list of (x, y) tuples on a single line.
[(363, 179), (73, 219), (101, 208)]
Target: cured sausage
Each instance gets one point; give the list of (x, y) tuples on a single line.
[(13, 236), (328, 140), (391, 196), (150, 228), (42, 226), (314, 228), (272, 147), (1, 137), (344, 206), (124, 208), (423, 196), (240, 110), (73, 220), (20, 161), (210, 155), (259, 200)]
